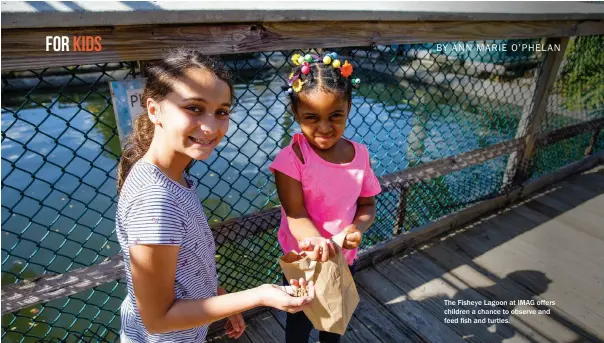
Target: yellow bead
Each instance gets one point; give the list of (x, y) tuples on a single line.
[(300, 60), (327, 59), (336, 64)]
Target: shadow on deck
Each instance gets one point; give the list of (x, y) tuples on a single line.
[(549, 248)]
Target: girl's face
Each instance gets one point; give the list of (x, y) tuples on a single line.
[(322, 117), (194, 117)]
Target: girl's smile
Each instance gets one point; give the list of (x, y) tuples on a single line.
[(203, 142), (322, 116), (196, 114)]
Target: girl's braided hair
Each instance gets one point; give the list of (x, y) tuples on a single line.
[(326, 73)]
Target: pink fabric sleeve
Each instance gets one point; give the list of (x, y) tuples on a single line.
[(371, 185), (287, 163)]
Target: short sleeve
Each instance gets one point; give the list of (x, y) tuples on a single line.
[(155, 218), (287, 163), (371, 185)]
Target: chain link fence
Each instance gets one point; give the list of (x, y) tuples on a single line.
[(416, 104), (577, 96)]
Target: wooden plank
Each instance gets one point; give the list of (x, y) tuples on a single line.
[(235, 229), (217, 327), (429, 170), (25, 48), (401, 209), (409, 312), (265, 329), (223, 338), (372, 316), (416, 236), (562, 173), (581, 258), (460, 264), (377, 318), (586, 221), (589, 28), (432, 169), (522, 130), (532, 120), (281, 318), (530, 254), (356, 332), (554, 136), (49, 287), (588, 185), (426, 268), (592, 142), (429, 285), (21, 15)]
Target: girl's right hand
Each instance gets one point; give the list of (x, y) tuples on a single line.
[(282, 297), (318, 248)]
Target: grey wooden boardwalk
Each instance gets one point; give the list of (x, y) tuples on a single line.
[(548, 248)]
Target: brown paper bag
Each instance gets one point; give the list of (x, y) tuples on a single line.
[(336, 295)]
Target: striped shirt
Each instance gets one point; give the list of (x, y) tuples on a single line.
[(154, 209)]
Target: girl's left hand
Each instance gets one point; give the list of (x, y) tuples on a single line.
[(353, 237), (235, 326)]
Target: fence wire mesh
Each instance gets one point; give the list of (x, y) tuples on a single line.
[(417, 103), (577, 96)]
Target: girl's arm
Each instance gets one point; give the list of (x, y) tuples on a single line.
[(363, 219), (365, 214), (302, 228), (153, 273), (292, 200)]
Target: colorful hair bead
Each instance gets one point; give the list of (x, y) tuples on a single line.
[(346, 69), (295, 58), (297, 85)]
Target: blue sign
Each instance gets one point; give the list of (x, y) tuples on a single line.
[(126, 97)]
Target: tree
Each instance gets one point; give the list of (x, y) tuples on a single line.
[(581, 81)]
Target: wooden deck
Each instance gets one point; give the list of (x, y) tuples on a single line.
[(550, 247)]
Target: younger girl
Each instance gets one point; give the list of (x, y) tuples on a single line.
[(324, 181), (168, 247)]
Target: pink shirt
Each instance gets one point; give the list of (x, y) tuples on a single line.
[(330, 190)]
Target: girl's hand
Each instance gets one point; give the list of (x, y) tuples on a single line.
[(318, 248), (235, 326), (281, 297), (353, 237)]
